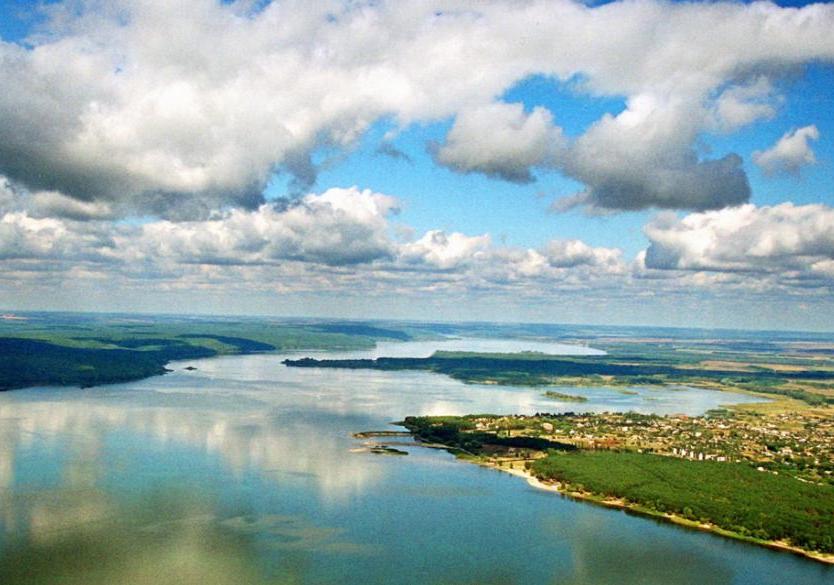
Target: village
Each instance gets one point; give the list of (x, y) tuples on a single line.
[(795, 443)]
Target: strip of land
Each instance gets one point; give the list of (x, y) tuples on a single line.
[(809, 381)]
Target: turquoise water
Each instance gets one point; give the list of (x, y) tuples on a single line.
[(242, 472)]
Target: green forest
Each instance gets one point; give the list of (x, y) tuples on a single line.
[(732, 496), (459, 434)]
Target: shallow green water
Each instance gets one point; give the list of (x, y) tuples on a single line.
[(242, 472)]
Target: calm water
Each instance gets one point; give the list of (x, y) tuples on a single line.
[(242, 472)]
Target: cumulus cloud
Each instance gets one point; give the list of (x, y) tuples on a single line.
[(787, 240), (742, 104), (572, 253), (790, 153), (340, 243), (179, 109), (341, 238), (338, 227), (501, 140), (644, 157), (181, 112), (25, 237), (444, 251), (824, 268), (45, 204)]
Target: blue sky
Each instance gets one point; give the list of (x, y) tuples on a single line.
[(400, 159), (440, 198), (436, 197)]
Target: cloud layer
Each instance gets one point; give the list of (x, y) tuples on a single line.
[(345, 240), (790, 241), (338, 227), (137, 138), (179, 109)]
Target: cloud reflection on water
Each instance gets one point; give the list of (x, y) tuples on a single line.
[(89, 469)]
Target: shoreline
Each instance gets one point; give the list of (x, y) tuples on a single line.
[(618, 504)]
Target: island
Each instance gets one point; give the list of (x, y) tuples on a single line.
[(562, 397)]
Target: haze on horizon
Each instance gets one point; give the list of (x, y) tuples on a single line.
[(633, 162)]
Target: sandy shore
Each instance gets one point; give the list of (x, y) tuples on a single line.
[(519, 471)]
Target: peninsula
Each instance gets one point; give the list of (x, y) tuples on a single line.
[(762, 478)]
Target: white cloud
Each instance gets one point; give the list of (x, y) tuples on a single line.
[(560, 265), (739, 105), (790, 153), (337, 245), (337, 227), (45, 204), (824, 268), (339, 239), (183, 108), (25, 237), (444, 251), (644, 157), (786, 240), (501, 140), (572, 253)]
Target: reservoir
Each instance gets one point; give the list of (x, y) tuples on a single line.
[(245, 471)]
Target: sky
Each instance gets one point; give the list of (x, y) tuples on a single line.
[(628, 162)]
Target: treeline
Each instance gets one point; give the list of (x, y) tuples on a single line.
[(487, 365), (732, 496), (33, 362), (458, 433)]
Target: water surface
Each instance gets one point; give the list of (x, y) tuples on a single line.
[(242, 472)]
